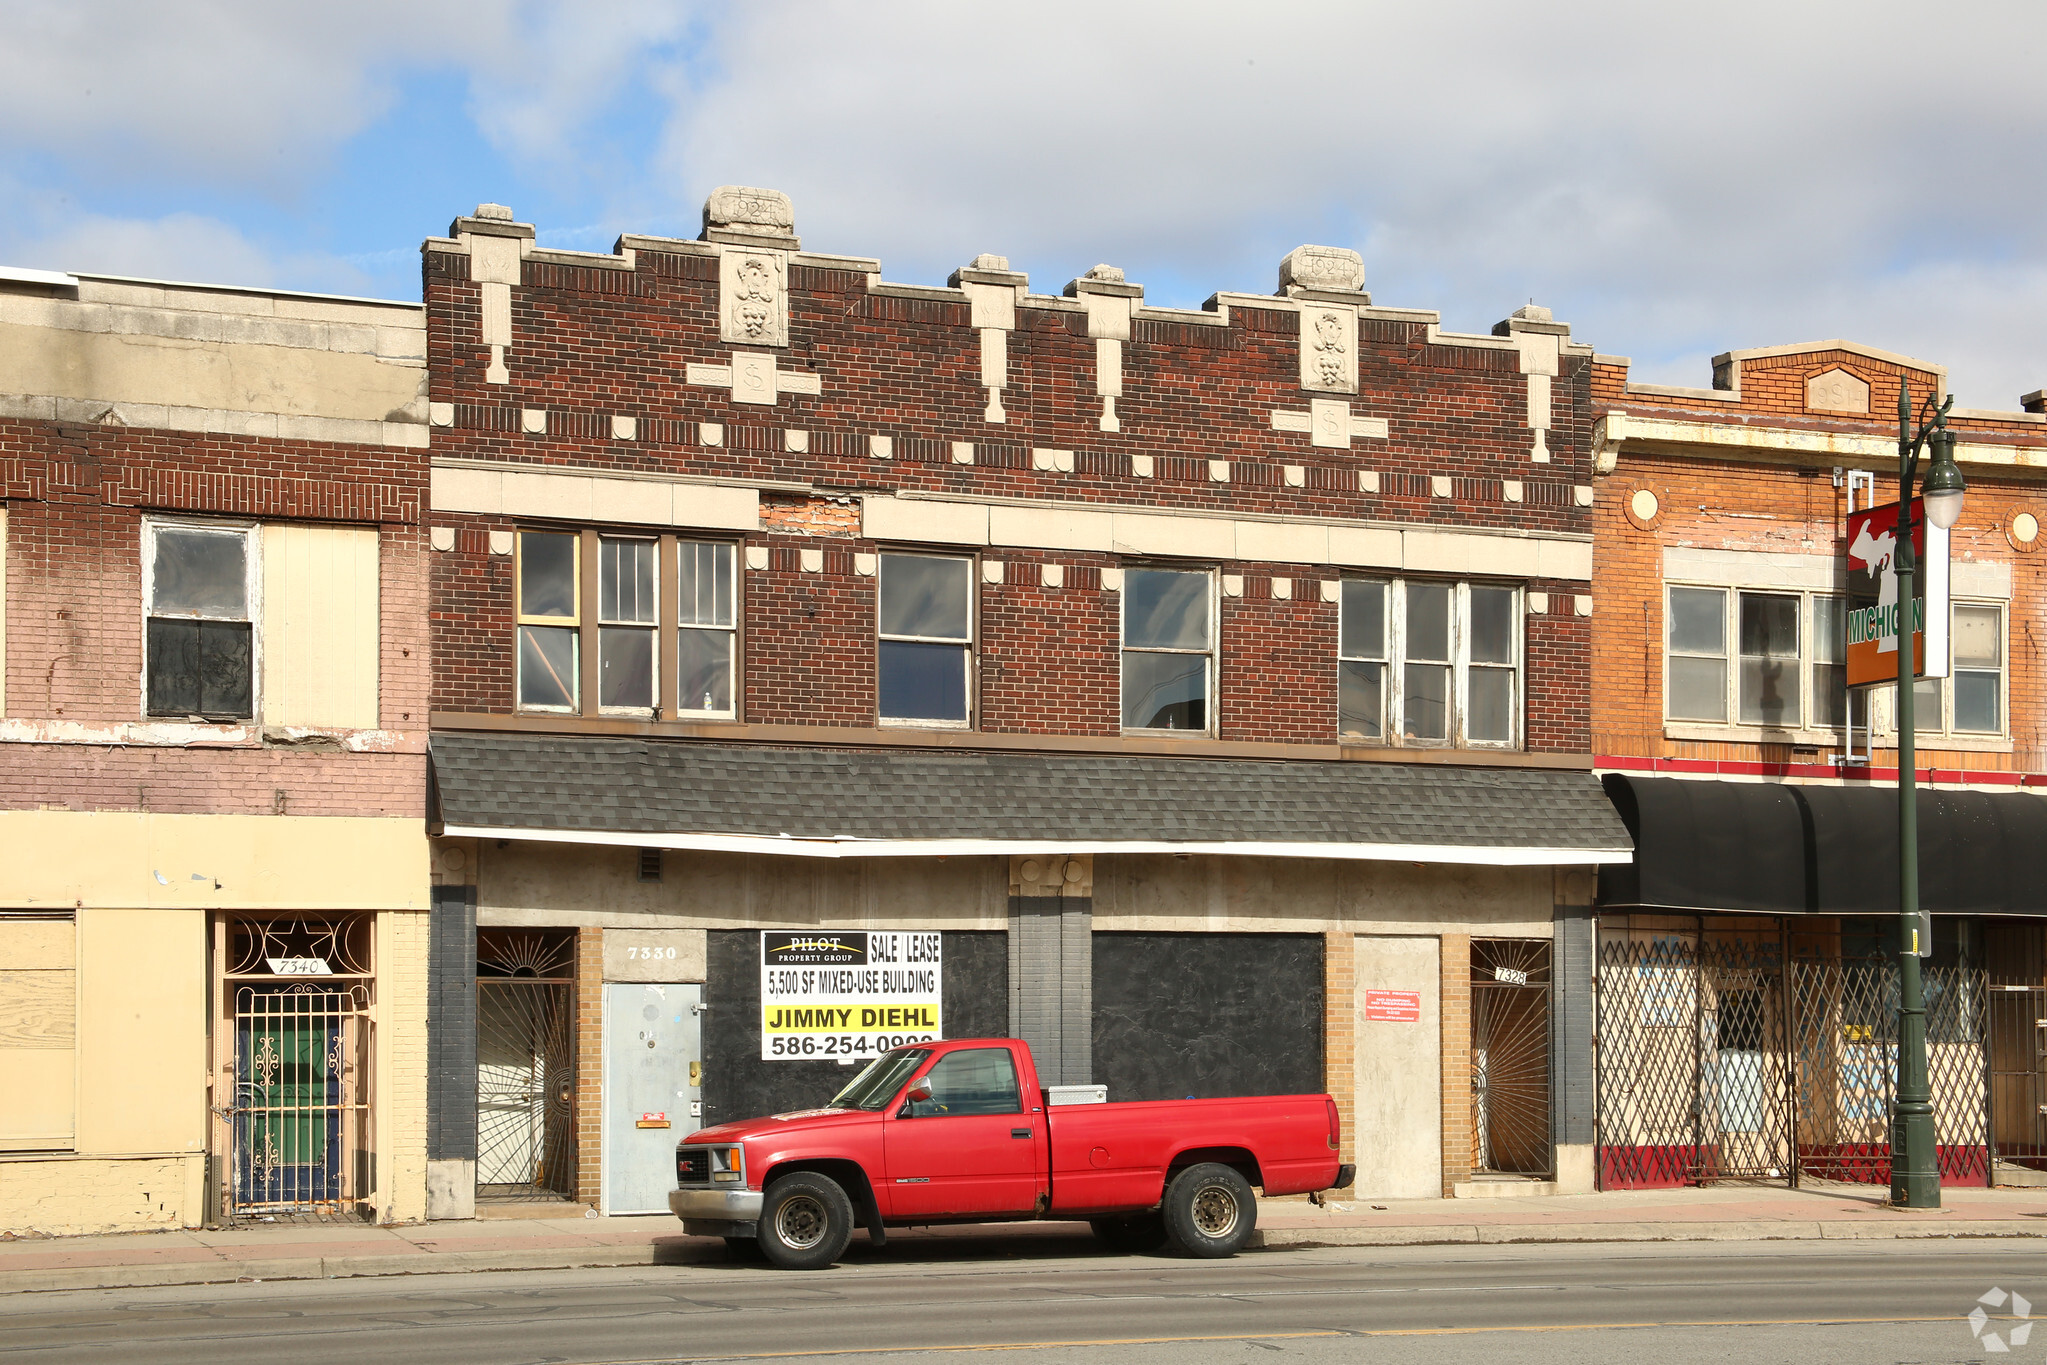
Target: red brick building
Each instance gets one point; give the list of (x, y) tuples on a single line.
[(1761, 906), (1203, 679), (213, 714)]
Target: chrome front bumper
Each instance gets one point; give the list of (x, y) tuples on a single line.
[(716, 1206)]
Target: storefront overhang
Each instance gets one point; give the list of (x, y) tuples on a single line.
[(875, 804), (1758, 847)]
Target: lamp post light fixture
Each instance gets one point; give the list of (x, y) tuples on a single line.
[(1915, 1171)]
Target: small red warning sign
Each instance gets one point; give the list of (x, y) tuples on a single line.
[(1394, 1007)]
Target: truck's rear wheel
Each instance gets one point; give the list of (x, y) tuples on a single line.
[(1131, 1233), (1209, 1210), (806, 1221)]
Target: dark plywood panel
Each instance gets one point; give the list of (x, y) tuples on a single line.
[(1178, 1015)]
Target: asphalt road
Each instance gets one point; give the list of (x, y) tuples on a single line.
[(1753, 1303)]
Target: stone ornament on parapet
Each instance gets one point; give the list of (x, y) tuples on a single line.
[(993, 292)]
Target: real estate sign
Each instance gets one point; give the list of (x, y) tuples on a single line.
[(1874, 612), (844, 996)]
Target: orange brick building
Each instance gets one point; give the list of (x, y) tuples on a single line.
[(1761, 793)]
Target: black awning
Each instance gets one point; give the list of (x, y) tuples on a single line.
[(1761, 847)]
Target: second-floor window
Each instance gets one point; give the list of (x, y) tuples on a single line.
[(550, 617), (564, 616), (706, 623), (1970, 701), (627, 571), (1168, 649), (1429, 662), (1777, 660), (200, 649), (925, 621)]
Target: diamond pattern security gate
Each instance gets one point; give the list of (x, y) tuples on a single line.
[(1720, 1058), (296, 1049), (1510, 981), (525, 1063), (1847, 1011), (1694, 1076)]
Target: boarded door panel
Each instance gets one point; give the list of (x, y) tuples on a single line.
[(320, 626), (38, 1033), (1207, 1015)]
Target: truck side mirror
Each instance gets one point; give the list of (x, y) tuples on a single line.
[(919, 1091)]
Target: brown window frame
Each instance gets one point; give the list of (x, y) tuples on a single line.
[(588, 623)]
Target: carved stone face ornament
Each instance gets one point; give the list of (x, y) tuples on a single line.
[(1330, 349), (754, 302)]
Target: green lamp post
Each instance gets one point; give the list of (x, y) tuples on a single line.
[(1915, 1173)]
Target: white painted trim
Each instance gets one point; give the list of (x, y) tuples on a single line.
[(1109, 529), (1836, 447), (844, 846), (218, 421)]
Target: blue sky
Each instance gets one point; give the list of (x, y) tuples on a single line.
[(1673, 181)]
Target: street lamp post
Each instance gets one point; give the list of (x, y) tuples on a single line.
[(1915, 1174)]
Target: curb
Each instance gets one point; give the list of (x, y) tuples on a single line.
[(1473, 1234), (1264, 1239)]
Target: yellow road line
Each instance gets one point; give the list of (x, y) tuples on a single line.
[(1616, 1326), (1296, 1336), (975, 1346)]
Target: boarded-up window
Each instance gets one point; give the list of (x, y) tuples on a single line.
[(38, 1030), (320, 626)]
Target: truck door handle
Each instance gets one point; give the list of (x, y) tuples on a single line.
[(1019, 1132)]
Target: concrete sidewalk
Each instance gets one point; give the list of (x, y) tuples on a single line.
[(318, 1251)]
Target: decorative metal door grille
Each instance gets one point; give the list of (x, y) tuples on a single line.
[(299, 1039), (1694, 1074), (1510, 980), (1847, 1012), (525, 1063)]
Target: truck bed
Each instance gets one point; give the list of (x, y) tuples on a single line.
[(1115, 1156)]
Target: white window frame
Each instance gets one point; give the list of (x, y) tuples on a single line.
[(1946, 731), (1393, 691), (731, 629), (651, 627), (1807, 732), (252, 587), (971, 642), (1212, 707)]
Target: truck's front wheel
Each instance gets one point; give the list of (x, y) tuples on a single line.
[(1210, 1210), (806, 1221)]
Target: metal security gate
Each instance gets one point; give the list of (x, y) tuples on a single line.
[(297, 1045), (1693, 1072), (2018, 1083), (1510, 982), (1720, 1057), (525, 1064), (1847, 1010)]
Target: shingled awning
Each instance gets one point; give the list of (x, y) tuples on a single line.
[(835, 803)]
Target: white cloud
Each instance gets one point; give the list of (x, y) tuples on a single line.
[(1672, 182)]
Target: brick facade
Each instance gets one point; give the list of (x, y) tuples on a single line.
[(596, 340), (1782, 492)]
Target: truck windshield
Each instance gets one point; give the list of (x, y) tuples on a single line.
[(877, 1085)]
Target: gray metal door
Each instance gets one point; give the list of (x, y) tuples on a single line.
[(651, 1092)]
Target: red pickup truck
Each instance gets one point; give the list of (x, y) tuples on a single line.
[(960, 1132)]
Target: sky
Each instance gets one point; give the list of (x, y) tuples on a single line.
[(1673, 181)]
